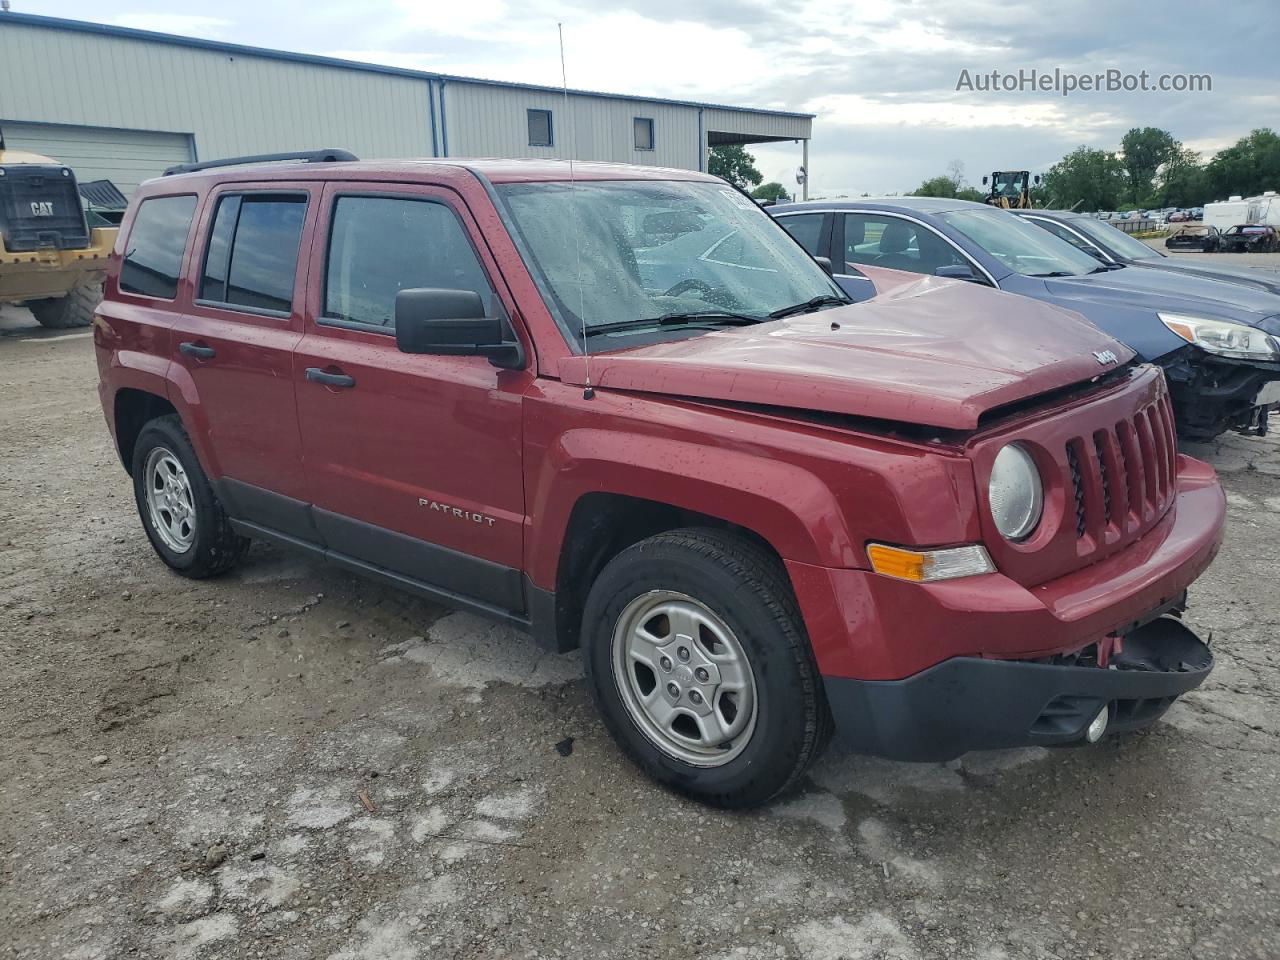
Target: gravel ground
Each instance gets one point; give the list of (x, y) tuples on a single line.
[(291, 763)]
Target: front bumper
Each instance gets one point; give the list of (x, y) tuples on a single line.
[(1213, 394), (968, 703), (870, 627)]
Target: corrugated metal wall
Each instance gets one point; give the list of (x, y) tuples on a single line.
[(233, 105), (234, 102), (491, 121)]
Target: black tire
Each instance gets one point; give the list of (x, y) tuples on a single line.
[(746, 588), (215, 547), (74, 310)]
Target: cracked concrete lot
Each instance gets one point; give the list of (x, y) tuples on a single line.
[(290, 763)]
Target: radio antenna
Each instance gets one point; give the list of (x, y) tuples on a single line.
[(588, 392)]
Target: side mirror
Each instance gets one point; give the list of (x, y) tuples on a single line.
[(984, 181), (452, 323), (1037, 179), (958, 271), (825, 264)]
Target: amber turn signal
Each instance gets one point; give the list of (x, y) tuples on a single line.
[(924, 566)]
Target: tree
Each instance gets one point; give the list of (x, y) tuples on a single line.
[(939, 186), (1146, 150), (1085, 179), (1182, 179), (733, 163), (771, 191), (1246, 168)]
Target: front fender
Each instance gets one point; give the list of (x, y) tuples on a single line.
[(815, 496)]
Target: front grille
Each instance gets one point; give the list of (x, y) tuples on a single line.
[(1077, 484), (1123, 476)]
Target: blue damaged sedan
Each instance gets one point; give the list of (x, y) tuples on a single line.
[(1218, 342)]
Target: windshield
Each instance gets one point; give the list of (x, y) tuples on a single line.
[(1114, 240), (1006, 184), (1022, 247), (648, 249)]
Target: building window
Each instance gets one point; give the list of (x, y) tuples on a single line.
[(540, 128), (644, 133), (156, 243)]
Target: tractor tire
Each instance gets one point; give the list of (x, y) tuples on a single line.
[(73, 310)]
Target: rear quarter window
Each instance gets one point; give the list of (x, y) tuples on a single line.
[(157, 241)]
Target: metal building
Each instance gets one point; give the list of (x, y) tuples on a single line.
[(123, 104)]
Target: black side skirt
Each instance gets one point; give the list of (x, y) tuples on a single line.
[(425, 569)]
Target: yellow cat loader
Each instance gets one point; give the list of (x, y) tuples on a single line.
[(51, 260), (1010, 189)]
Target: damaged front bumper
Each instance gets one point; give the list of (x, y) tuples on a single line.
[(1213, 394), (972, 703)]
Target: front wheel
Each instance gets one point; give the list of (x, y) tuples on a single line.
[(697, 658), (181, 513)]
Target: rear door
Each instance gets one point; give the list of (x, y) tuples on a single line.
[(413, 462), (236, 344)]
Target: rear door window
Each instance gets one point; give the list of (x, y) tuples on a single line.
[(806, 228), (252, 255), (157, 241), (379, 246)]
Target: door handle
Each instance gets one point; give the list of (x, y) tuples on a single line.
[(196, 350), (316, 375)]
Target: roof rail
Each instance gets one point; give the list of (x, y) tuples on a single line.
[(327, 155)]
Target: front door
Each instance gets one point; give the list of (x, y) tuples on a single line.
[(413, 462)]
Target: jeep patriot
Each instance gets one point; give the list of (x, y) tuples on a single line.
[(623, 410)]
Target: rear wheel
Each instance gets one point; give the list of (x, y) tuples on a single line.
[(73, 310), (183, 518), (698, 660)]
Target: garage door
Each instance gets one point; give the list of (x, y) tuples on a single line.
[(125, 157)]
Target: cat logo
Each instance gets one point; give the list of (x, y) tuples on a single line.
[(42, 208), (1105, 357)]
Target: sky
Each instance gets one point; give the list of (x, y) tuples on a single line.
[(881, 75)]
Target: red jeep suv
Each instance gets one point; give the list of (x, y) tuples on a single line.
[(623, 410)]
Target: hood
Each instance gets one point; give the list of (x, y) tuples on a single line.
[(923, 350), (1172, 291)]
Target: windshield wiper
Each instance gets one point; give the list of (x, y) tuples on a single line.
[(826, 300), (1057, 273), (1107, 267), (709, 318)]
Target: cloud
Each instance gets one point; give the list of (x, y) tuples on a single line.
[(879, 74), (188, 24)]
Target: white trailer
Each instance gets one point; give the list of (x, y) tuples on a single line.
[(1225, 214), (1264, 209)]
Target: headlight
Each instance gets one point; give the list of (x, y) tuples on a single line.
[(1015, 493), (1223, 338)]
